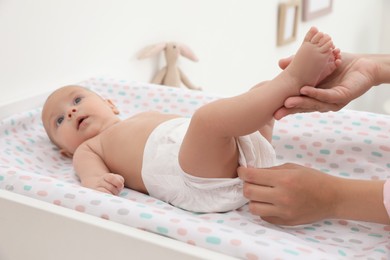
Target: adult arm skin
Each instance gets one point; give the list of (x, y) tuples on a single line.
[(291, 194), (356, 75)]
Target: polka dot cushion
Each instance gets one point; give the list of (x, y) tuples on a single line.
[(349, 144)]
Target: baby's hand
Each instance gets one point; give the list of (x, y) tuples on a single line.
[(110, 183)]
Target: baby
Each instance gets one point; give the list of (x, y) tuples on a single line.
[(188, 162)]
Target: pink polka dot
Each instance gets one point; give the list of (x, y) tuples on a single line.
[(204, 230), (175, 220), (182, 231), (25, 177), (45, 180), (105, 216), (191, 242), (57, 202), (303, 146), (42, 193), (251, 256), (351, 160), (317, 144), (320, 160), (80, 208), (235, 242), (386, 228), (159, 212), (343, 222), (320, 237), (339, 151), (296, 138), (384, 148), (304, 249)]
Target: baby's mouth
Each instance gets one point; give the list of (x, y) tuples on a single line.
[(80, 120)]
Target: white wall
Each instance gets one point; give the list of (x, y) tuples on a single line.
[(49, 43)]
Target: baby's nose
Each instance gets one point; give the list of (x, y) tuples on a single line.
[(71, 112)]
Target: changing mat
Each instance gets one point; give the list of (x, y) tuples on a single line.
[(350, 144)]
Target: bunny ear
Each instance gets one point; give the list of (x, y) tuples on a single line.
[(151, 50), (187, 52)]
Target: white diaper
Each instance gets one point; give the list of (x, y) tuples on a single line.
[(165, 180)]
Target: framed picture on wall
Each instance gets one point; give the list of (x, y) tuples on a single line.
[(287, 22), (315, 8)]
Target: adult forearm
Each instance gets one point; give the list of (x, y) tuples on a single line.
[(361, 200), (383, 61)]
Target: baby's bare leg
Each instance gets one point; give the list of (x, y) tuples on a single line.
[(209, 148)]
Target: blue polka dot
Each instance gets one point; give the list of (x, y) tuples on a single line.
[(146, 215), (213, 240), (162, 230)]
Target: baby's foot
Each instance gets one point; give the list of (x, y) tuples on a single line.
[(315, 59)]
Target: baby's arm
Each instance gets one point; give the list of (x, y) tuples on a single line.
[(93, 172)]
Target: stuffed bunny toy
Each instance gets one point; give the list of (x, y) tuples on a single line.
[(170, 75)]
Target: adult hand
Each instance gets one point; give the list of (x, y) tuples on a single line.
[(289, 194), (351, 79)]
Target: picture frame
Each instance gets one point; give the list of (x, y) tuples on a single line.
[(316, 8), (288, 14)]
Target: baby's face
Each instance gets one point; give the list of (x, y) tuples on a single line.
[(72, 115)]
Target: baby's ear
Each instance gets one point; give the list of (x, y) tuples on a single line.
[(66, 153), (112, 106)]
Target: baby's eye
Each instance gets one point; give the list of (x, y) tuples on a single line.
[(77, 100), (59, 120)]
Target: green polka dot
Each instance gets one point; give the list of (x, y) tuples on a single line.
[(367, 141), (310, 228), (355, 229), (312, 240), (323, 122), (375, 235), (341, 252), (275, 137), (356, 123), (146, 215), (122, 93), (388, 165), (380, 250), (373, 127), (27, 187), (1, 178), (289, 146), (162, 230), (344, 174), (289, 251), (324, 151), (376, 154), (220, 221), (300, 156), (327, 222), (19, 161), (213, 240)]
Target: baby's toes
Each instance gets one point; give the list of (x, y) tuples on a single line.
[(317, 37), (310, 34), (328, 46)]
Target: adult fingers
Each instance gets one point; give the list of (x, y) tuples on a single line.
[(258, 176)]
